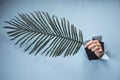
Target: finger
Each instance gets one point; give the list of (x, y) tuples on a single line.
[(93, 45), (91, 42), (88, 43), (99, 51), (95, 48), (99, 54)]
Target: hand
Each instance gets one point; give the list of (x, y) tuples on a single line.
[(95, 46)]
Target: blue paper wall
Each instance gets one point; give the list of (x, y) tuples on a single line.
[(93, 17)]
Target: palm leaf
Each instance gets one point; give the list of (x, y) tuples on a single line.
[(39, 32)]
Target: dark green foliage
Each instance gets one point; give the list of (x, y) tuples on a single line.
[(40, 33)]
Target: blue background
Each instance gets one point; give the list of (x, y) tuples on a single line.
[(93, 17)]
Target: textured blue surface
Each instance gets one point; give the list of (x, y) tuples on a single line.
[(93, 17)]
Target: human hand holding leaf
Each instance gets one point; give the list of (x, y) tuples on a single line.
[(39, 32)]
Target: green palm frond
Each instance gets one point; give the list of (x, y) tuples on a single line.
[(39, 32)]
